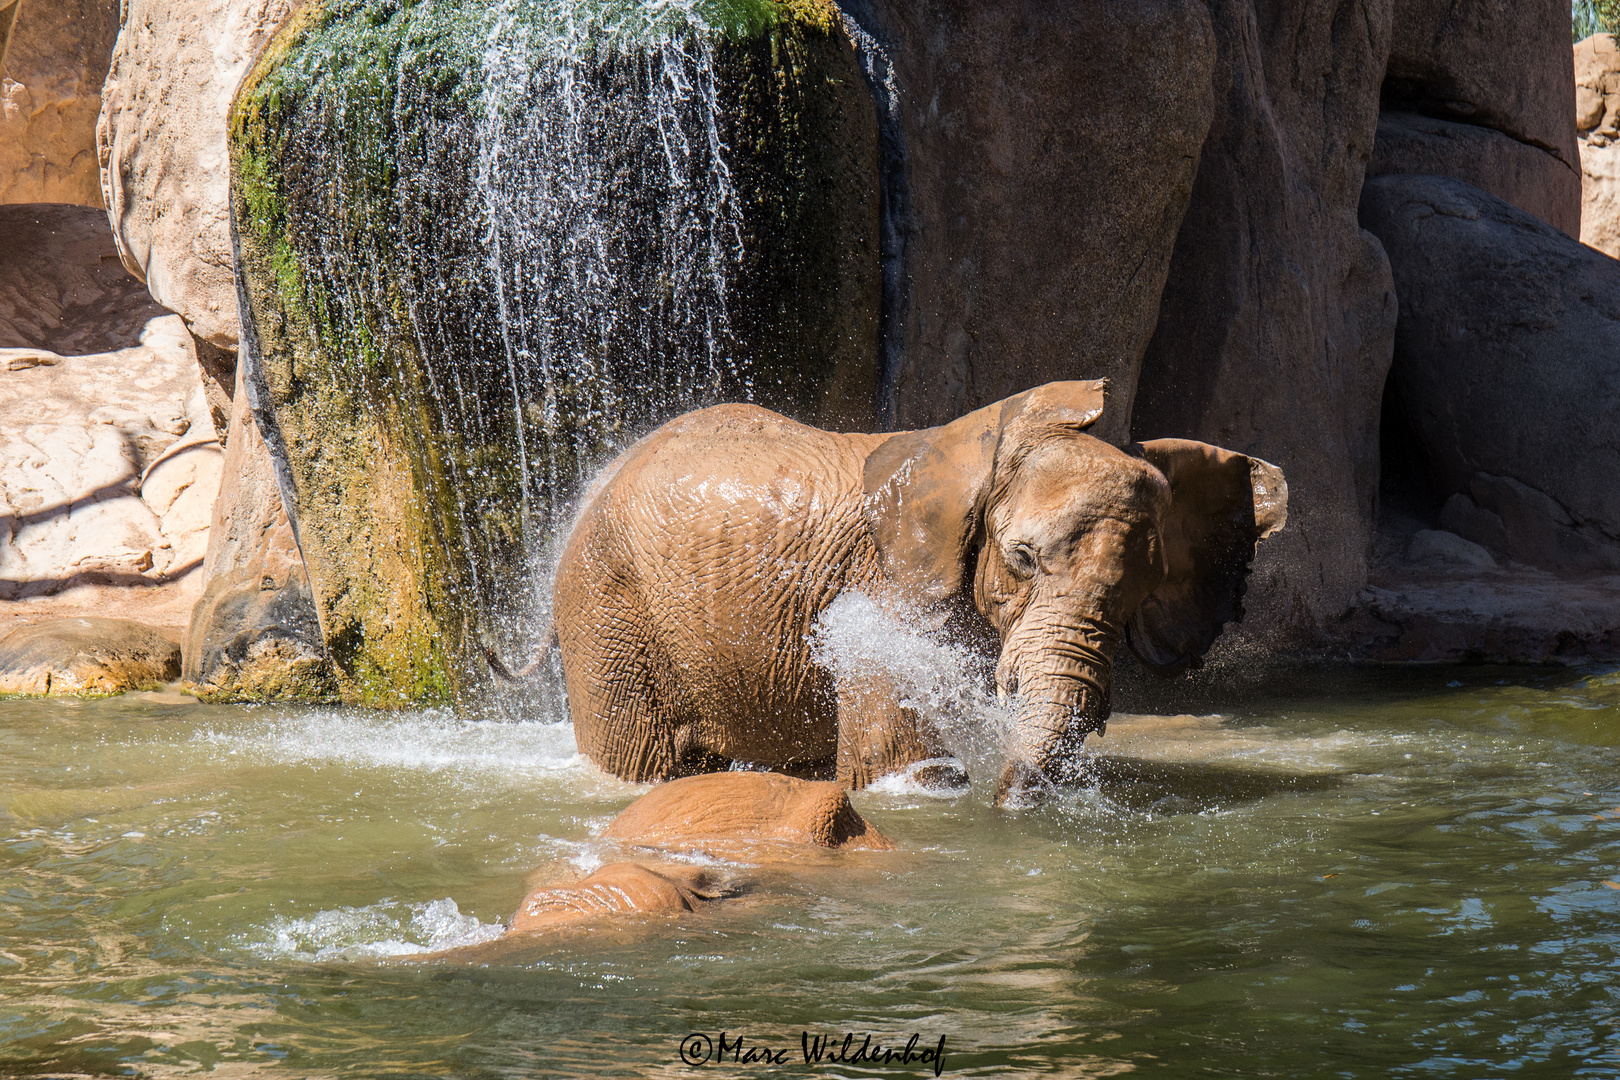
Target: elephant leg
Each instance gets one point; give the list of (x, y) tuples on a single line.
[(877, 735), (627, 712)]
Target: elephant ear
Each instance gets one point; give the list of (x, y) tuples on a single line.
[(1221, 505), (925, 490)]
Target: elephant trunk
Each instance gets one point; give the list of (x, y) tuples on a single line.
[(1061, 669)]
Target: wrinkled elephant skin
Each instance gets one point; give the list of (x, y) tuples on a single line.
[(693, 578)]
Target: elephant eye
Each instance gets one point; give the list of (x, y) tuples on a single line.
[(1021, 561)]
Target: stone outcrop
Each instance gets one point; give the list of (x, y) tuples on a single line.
[(56, 55), (108, 457), (1041, 158), (1274, 333), (165, 169), (1516, 172), (86, 657), (1507, 364), (1498, 64), (254, 634), (1597, 120), (1480, 90)]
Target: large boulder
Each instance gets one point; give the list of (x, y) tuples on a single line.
[(1507, 365), (1498, 64), (1597, 120), (109, 460), (56, 54), (165, 169), (87, 657), (254, 634), (459, 299), (1516, 172), (1274, 334), (1041, 157)]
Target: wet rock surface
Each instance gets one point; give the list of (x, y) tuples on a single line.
[(1507, 365), (254, 634), (434, 406), (87, 656)]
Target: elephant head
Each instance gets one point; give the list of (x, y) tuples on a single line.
[(1064, 544)]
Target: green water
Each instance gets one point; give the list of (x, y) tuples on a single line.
[(1365, 874)]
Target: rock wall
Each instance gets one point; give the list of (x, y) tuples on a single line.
[(1507, 362), (1042, 156), (255, 634), (109, 461), (1275, 331), (56, 55), (165, 168), (1597, 119), (1482, 90)]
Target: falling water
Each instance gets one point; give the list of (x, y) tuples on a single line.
[(613, 225), (520, 238)]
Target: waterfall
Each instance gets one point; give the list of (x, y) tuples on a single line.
[(486, 248)]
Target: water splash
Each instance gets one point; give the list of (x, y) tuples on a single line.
[(944, 682), (384, 929)]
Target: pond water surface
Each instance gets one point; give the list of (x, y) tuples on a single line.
[(1360, 874)]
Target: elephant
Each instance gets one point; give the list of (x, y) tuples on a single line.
[(745, 807), (700, 559)]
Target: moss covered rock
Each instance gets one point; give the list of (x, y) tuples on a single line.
[(481, 249)]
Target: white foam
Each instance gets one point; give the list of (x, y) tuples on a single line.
[(429, 741), (387, 928), (944, 682)]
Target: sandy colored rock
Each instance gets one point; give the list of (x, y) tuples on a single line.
[(1530, 178), (108, 457), (1507, 365), (163, 158), (1597, 121), (745, 806), (1046, 157), (67, 657), (1276, 326), (254, 634), (1501, 64), (56, 57)]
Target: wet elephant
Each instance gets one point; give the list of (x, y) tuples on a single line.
[(690, 585)]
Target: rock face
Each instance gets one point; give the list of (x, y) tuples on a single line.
[(165, 169), (1274, 333), (56, 55), (1041, 159), (1507, 362), (1498, 64), (108, 458), (439, 363), (1516, 172), (1597, 119), (254, 634), (69, 657)]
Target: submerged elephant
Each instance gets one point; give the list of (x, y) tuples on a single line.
[(694, 575)]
